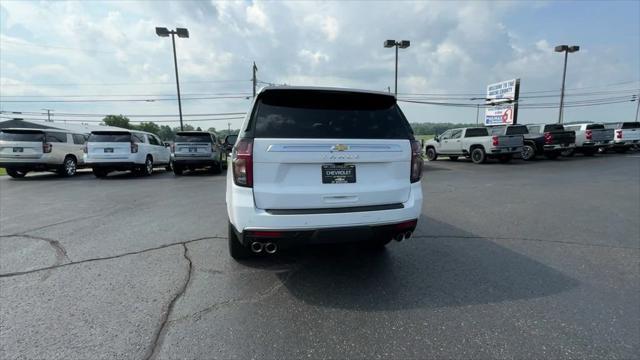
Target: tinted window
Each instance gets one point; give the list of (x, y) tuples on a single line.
[(517, 130), (110, 137), (78, 139), (553, 127), (456, 134), (476, 132), (445, 135), (56, 137), (21, 135), (204, 137), (595, 126), (152, 140), (328, 114), (137, 138), (631, 125)]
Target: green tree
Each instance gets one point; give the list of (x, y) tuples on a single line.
[(117, 120), (198, 128), (212, 129), (149, 126), (187, 127), (166, 133)]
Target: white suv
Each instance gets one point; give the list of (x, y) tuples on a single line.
[(317, 165), (24, 150), (138, 151)]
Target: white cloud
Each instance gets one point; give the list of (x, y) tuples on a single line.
[(257, 16), (315, 57)]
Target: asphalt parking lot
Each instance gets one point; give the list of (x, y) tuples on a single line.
[(522, 260)]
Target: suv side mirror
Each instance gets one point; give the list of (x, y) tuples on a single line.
[(436, 138), (167, 144)]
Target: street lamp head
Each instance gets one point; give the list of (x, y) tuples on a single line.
[(574, 48), (389, 43), (182, 32), (561, 48), (162, 31), (404, 44)]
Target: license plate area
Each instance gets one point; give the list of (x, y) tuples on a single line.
[(108, 150), (338, 174), (18, 149), (193, 150)]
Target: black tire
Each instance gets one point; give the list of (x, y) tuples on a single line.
[(236, 249), (432, 155), (478, 156), (16, 174), (177, 170), (505, 158), (453, 158), (552, 155), (570, 152), (528, 152), (147, 169), (100, 173), (69, 167)]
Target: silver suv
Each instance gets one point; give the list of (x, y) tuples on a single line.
[(24, 150), (196, 150)]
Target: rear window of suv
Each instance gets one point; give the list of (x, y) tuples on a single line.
[(328, 114), (21, 135), (110, 137), (193, 138)]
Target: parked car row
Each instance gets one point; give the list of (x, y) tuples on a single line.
[(529, 141), (105, 151)]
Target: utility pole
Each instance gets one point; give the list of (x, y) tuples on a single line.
[(255, 70), (637, 106), (566, 49), (48, 114)]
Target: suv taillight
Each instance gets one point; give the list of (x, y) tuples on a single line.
[(243, 163), (548, 138), (416, 161), (588, 134), (495, 141), (46, 147), (618, 134), (134, 148)]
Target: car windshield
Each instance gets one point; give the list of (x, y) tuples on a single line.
[(21, 135), (110, 137), (326, 114), (193, 138)]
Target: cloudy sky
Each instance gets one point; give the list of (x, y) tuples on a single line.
[(78, 52)]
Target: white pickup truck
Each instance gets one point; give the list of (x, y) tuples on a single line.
[(626, 135), (474, 143)]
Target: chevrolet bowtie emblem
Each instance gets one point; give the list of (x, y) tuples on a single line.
[(340, 147)]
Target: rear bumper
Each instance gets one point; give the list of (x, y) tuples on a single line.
[(559, 147), (625, 142), (34, 165), (115, 166), (194, 162), (244, 216), (505, 150)]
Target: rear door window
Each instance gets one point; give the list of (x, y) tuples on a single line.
[(78, 139), (328, 114), (56, 137), (21, 135), (110, 137), (152, 140), (193, 138), (476, 132)]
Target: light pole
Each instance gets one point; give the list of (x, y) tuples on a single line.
[(402, 45), (182, 33), (636, 98), (566, 49), (48, 114)]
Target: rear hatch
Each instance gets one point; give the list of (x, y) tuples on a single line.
[(192, 144), (599, 133), (21, 144), (560, 135), (112, 145), (630, 131), (317, 149)]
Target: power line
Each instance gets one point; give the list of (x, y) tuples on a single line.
[(121, 95), (127, 115), (124, 100), (58, 120), (127, 83)]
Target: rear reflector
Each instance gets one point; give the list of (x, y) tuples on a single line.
[(264, 234)]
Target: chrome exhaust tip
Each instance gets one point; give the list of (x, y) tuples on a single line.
[(398, 237), (256, 247), (270, 248), (407, 234)]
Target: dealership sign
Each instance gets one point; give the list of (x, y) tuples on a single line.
[(499, 115), (503, 90)]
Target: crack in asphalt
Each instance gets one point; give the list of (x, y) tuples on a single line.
[(159, 336), (104, 258), (252, 299), (523, 239), (61, 252)]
